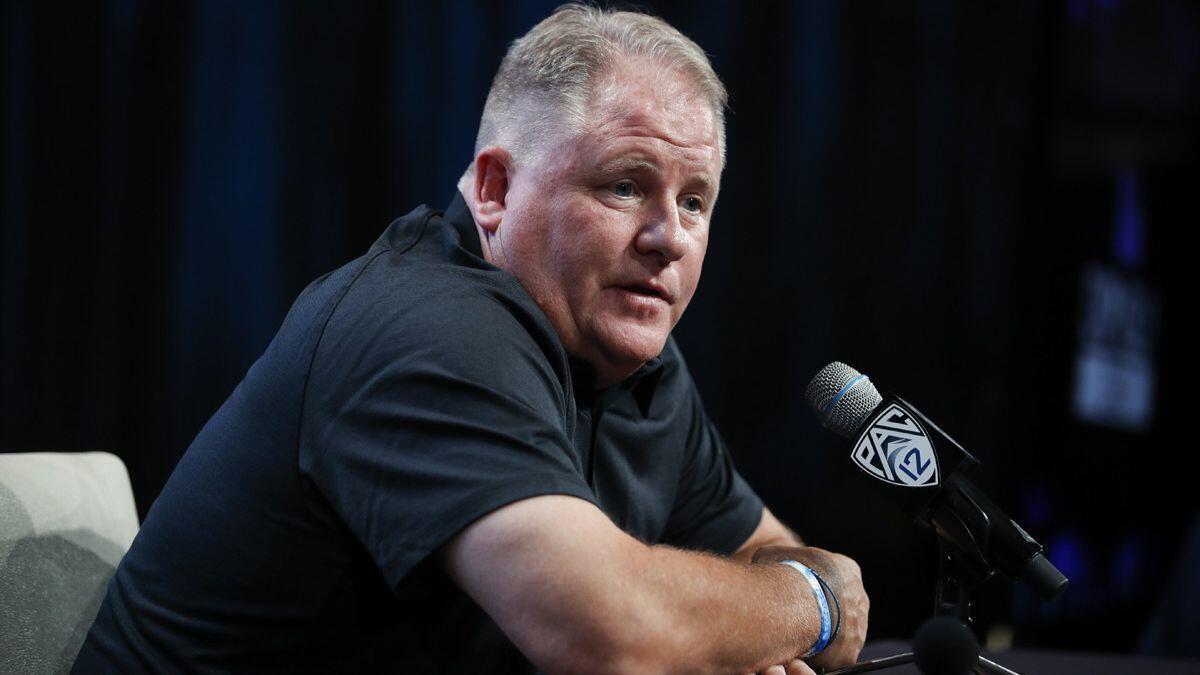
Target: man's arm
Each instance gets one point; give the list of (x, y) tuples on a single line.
[(578, 595)]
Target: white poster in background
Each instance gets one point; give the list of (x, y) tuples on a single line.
[(1115, 375)]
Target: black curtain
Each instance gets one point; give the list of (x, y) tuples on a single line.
[(174, 174)]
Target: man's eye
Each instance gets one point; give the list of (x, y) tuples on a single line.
[(693, 204), (623, 188)]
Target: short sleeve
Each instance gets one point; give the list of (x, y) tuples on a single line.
[(421, 416), (714, 509)]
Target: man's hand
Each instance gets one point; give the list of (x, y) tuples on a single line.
[(845, 580), (793, 667)]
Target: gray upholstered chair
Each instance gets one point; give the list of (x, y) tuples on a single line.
[(65, 521)]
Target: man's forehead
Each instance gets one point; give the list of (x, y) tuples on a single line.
[(636, 143), (636, 96), (633, 138)]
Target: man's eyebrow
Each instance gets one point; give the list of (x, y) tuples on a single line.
[(707, 185), (627, 164)]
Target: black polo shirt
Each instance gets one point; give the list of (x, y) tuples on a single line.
[(406, 395)]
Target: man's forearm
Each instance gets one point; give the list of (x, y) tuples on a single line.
[(703, 613), (578, 595)]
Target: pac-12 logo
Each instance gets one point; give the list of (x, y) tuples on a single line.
[(896, 450)]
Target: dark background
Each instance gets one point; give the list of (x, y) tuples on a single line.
[(915, 188)]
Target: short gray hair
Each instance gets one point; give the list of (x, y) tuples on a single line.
[(552, 67)]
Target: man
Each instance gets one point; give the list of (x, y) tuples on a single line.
[(476, 449)]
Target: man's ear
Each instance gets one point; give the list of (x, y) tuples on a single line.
[(493, 166)]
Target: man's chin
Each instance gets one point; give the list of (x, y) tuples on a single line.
[(623, 354)]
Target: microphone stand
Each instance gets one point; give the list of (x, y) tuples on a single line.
[(959, 575), (958, 582)]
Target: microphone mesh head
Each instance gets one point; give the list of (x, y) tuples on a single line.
[(842, 398)]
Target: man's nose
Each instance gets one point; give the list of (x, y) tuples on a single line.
[(663, 235)]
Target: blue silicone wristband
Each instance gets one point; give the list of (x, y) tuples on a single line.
[(818, 593), (837, 624)]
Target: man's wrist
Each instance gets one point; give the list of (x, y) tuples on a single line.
[(825, 633), (837, 606)]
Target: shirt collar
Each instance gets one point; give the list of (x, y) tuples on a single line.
[(645, 383), (458, 215), (641, 385)]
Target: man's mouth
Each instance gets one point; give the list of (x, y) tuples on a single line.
[(645, 290), (652, 291)]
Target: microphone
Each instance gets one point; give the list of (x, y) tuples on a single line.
[(942, 646), (918, 466), (945, 646)]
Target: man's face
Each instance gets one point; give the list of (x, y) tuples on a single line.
[(608, 233)]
